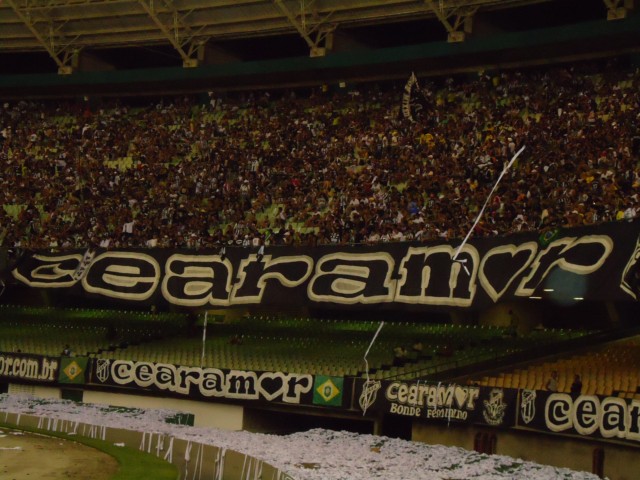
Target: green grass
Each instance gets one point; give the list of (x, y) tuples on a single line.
[(133, 464)]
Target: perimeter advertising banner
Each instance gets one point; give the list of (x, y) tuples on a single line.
[(446, 402), (214, 383), (584, 415), (596, 263), (32, 368)]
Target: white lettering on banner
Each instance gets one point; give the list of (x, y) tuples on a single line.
[(588, 414), (436, 285), (425, 275), (349, 278), (197, 280), (211, 382), (271, 269), (433, 396), (555, 255), (28, 368), (447, 413), (124, 275), (54, 271), (404, 410)]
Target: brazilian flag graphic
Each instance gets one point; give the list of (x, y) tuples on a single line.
[(328, 391), (72, 370), (548, 236)]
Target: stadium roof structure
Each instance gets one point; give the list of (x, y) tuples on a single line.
[(67, 36)]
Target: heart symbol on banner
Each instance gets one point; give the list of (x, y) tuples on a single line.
[(502, 265), (460, 394), (271, 385)]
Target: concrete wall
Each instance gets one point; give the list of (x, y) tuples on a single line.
[(621, 462), (34, 390), (210, 415), (195, 461)]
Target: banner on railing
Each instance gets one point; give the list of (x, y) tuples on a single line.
[(598, 263), (32, 368), (216, 383), (584, 415), (447, 402)]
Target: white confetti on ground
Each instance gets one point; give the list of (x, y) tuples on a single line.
[(314, 455)]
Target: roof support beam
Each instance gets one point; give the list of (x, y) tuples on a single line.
[(62, 55), (323, 31), (172, 36), (463, 18)]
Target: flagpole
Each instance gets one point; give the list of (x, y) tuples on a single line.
[(204, 337)]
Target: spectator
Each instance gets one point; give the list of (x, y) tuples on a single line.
[(323, 168), (399, 356), (576, 386)]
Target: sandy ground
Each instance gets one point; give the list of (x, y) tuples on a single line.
[(25, 456)]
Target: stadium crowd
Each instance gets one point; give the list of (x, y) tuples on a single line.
[(324, 166)]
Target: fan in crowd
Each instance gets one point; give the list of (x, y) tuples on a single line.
[(323, 167)]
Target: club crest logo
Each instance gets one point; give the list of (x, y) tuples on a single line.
[(495, 407), (102, 369), (528, 406), (369, 394)]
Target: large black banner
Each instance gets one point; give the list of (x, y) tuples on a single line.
[(210, 383), (30, 368), (584, 415), (597, 263), (447, 402)]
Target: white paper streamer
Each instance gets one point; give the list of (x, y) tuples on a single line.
[(455, 257)]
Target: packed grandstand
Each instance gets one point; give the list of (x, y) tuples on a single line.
[(324, 167), (446, 255)]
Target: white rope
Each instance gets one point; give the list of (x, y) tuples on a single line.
[(201, 454), (366, 362), (198, 466), (159, 444), (220, 464), (168, 456), (369, 348), (204, 338), (187, 459), (244, 464), (455, 257)]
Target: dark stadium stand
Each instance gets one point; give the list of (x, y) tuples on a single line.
[(46, 330), (267, 343)]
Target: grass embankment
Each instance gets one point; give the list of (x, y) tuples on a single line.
[(133, 464)]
